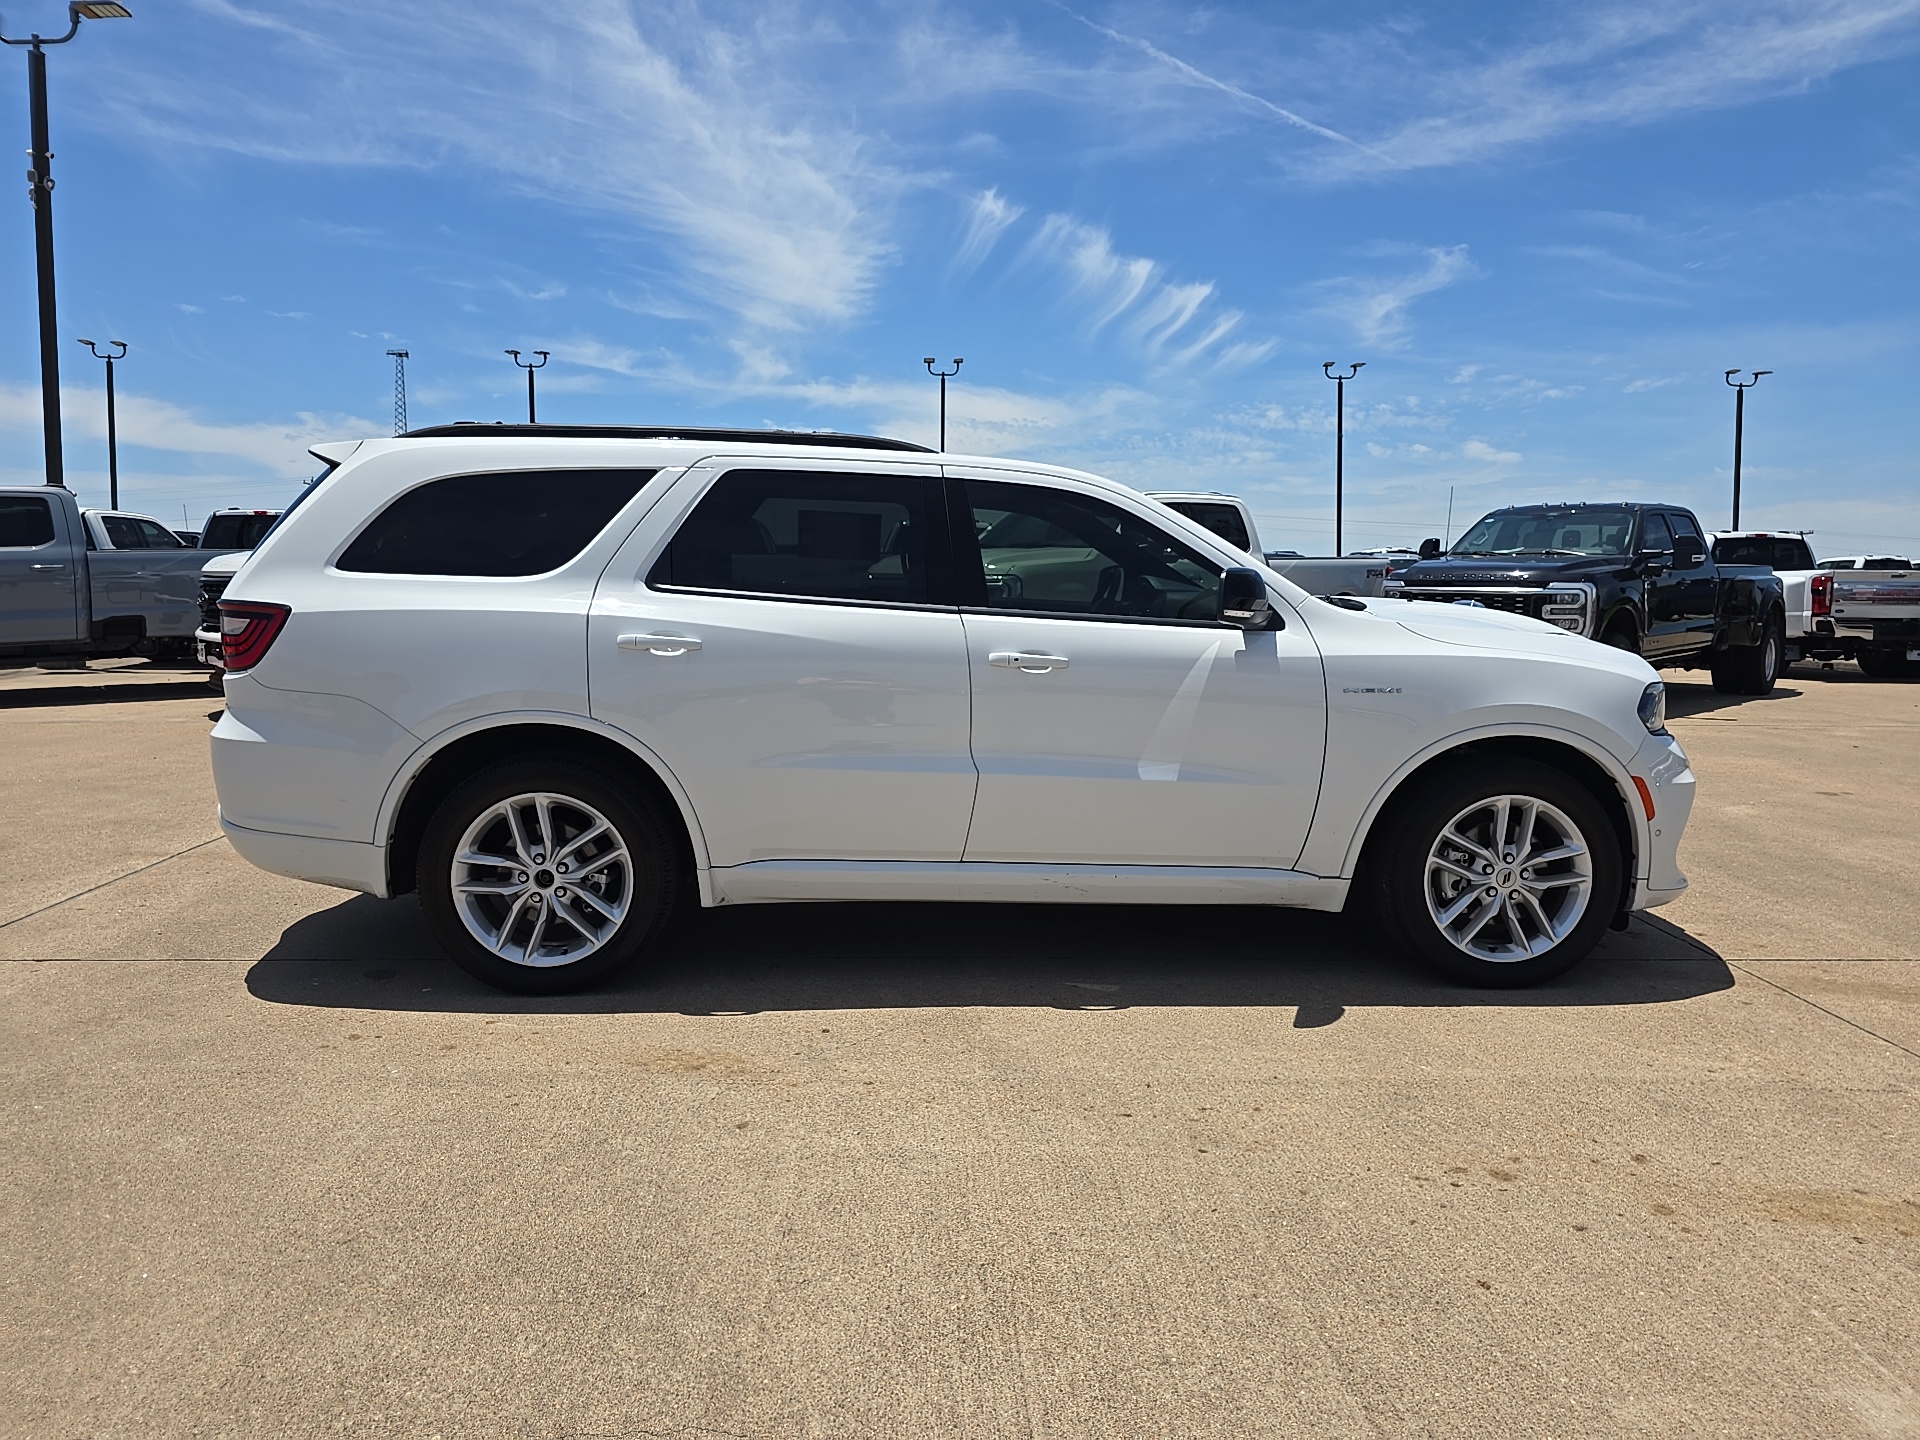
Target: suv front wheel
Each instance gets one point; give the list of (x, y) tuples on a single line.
[(543, 876), (1500, 873)]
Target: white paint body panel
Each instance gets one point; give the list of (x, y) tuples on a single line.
[(851, 751)]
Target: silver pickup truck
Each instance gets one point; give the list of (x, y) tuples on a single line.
[(1876, 615), (65, 596)]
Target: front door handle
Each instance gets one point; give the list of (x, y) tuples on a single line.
[(659, 644), (54, 566), (1030, 661)]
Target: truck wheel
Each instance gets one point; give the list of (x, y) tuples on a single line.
[(1750, 669), (542, 876), (1500, 873), (1622, 636), (1885, 664)]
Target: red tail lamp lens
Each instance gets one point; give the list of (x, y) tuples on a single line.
[(247, 628), (1822, 592)]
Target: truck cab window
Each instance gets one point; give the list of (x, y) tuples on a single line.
[(25, 520)]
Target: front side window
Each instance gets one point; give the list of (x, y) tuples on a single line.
[(507, 523), (1548, 531), (1657, 536), (1054, 552), (814, 535), (25, 520)]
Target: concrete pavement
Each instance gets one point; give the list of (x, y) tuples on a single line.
[(275, 1167)]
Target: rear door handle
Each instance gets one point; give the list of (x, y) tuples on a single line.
[(659, 644), (1030, 661), (55, 566)]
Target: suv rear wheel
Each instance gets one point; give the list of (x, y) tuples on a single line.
[(542, 876), (1500, 873)]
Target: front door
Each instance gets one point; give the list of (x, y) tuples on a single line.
[(785, 640), (1115, 720), (39, 577), (1664, 591)]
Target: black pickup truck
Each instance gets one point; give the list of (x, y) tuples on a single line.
[(1637, 576)]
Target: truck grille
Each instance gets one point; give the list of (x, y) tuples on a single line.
[(1568, 605), (212, 587)]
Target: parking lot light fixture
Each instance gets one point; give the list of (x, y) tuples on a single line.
[(111, 354), (1740, 388), (943, 374), (1340, 442), (529, 366), (40, 195)]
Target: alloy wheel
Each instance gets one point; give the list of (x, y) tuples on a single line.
[(542, 879), (1508, 878)]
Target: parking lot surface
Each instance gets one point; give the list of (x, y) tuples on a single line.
[(273, 1167)]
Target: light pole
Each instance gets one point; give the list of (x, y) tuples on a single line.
[(943, 374), (529, 367), (399, 391), (113, 433), (40, 195), (1340, 442), (1740, 388)]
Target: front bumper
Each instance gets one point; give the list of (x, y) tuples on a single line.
[(1663, 766)]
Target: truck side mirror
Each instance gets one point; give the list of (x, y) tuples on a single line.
[(1429, 547), (1244, 601)]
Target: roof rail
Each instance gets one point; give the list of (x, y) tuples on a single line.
[(497, 429)]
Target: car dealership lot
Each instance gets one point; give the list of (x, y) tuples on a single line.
[(274, 1167)]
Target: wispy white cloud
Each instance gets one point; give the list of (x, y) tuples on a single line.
[(988, 217), (1480, 450), (1377, 308), (1170, 323)]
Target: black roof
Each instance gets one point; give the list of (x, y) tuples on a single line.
[(828, 438)]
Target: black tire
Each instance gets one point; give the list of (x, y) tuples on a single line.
[(1751, 669), (642, 887), (1401, 887), (1886, 664), (1622, 636)]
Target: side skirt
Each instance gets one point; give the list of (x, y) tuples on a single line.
[(771, 881)]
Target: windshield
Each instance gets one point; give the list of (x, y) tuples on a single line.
[(1549, 532)]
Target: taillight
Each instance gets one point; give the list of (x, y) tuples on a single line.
[(247, 628), (1822, 593)]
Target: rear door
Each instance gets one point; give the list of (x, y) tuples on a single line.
[(1115, 719), (39, 573), (783, 636)]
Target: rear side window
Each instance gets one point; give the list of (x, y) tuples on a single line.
[(25, 520), (1222, 520), (519, 522), (811, 535), (1778, 552), (123, 533), (235, 532)]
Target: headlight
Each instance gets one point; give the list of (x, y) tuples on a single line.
[(1653, 708)]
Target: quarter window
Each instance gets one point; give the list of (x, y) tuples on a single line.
[(25, 520), (1054, 552), (517, 522), (817, 535)]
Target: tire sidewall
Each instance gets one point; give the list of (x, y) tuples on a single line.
[(653, 861), (1400, 890)]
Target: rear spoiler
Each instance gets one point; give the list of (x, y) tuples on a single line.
[(334, 452)]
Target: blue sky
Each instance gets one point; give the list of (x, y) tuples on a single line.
[(1546, 228)]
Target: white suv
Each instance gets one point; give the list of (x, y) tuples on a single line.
[(556, 678)]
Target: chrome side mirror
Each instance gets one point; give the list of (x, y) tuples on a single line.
[(1244, 601)]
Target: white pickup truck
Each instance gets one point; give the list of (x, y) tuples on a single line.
[(84, 584), (1228, 517), (1804, 583)]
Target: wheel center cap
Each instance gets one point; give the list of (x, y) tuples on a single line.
[(1506, 880), (543, 879)]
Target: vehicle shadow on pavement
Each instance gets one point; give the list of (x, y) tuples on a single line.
[(1687, 698), (377, 955), (51, 695)]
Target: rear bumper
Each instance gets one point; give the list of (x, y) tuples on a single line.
[(345, 864)]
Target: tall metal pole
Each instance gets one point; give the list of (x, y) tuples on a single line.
[(943, 374), (116, 350), (1340, 445), (399, 391), (529, 368), (40, 194), (1740, 388), (40, 190)]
